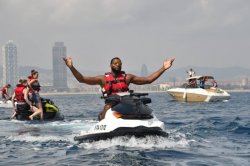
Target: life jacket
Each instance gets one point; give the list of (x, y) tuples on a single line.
[(19, 93), (3, 90), (35, 86), (115, 85), (30, 78)]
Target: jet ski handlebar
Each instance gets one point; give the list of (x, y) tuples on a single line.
[(139, 94), (131, 93), (115, 98)]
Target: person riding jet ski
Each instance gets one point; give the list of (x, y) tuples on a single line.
[(117, 80), (129, 116), (120, 107), (23, 108), (5, 95)]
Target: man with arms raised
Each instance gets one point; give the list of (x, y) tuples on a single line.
[(116, 80)]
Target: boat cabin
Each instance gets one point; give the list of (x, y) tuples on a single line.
[(205, 82)]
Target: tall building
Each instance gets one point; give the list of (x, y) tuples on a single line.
[(9, 57), (144, 71), (59, 67)]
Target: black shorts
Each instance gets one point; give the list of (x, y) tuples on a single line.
[(22, 107)]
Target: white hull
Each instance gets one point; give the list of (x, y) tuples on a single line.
[(112, 123), (198, 94), (111, 126), (8, 104)]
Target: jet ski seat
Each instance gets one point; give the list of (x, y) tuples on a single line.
[(131, 106)]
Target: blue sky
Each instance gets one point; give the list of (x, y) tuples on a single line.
[(209, 33)]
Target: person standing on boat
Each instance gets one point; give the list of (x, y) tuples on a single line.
[(215, 84), (117, 80), (202, 82), (34, 96), (20, 96), (192, 83), (5, 95), (191, 72)]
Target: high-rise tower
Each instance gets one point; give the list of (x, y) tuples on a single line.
[(59, 67), (144, 71), (9, 57)]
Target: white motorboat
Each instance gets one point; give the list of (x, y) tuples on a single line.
[(129, 116), (199, 89)]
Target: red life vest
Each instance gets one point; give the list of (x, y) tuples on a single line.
[(30, 77), (4, 90), (19, 93), (115, 85), (35, 86)]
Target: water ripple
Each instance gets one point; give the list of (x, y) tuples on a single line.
[(199, 134)]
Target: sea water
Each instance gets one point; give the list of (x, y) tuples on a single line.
[(216, 133)]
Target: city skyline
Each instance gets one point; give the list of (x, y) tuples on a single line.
[(227, 73), (196, 32)]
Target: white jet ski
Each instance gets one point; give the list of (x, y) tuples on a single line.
[(8, 104), (129, 116)]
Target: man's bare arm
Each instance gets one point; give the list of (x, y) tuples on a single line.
[(151, 78), (98, 80)]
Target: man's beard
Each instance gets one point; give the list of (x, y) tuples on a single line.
[(116, 71)]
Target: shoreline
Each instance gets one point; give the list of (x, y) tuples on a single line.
[(238, 90), (99, 93), (89, 93)]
